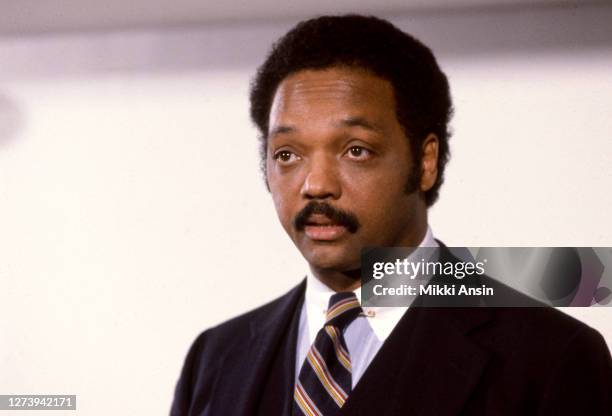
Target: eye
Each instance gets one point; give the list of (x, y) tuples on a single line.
[(358, 153), (285, 156)]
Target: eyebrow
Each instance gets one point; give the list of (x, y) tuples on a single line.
[(347, 122), (360, 122), (281, 130)]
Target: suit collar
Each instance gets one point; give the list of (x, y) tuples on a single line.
[(428, 365), (277, 317)]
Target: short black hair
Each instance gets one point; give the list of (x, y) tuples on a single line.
[(420, 87)]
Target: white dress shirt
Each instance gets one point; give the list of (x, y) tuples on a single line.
[(364, 336)]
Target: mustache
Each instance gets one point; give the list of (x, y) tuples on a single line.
[(335, 215)]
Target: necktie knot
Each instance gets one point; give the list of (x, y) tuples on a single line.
[(342, 310)]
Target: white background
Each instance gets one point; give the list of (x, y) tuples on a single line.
[(132, 210)]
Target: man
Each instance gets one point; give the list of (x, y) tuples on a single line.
[(354, 116)]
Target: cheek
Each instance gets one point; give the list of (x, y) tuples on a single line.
[(279, 203), (284, 203), (285, 191), (376, 184), (380, 202)]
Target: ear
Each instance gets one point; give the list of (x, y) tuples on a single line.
[(266, 182), (429, 162), (265, 170)]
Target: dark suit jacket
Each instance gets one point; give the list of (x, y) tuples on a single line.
[(437, 361)]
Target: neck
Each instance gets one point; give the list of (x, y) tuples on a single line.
[(345, 281)]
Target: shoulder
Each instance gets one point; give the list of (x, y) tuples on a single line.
[(207, 353), (540, 357), (236, 329), (541, 328), (550, 358)]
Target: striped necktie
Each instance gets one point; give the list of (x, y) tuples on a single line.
[(325, 381)]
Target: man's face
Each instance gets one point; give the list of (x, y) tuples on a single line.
[(337, 166)]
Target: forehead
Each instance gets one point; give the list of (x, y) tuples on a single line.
[(329, 94)]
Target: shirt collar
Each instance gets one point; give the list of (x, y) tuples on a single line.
[(381, 319)]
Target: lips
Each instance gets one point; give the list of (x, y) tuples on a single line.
[(322, 222), (321, 228)]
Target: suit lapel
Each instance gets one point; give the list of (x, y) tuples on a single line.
[(442, 364), (277, 396), (427, 366), (247, 364)]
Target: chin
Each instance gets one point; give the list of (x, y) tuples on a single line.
[(329, 257)]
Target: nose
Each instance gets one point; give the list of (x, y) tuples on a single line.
[(322, 180)]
